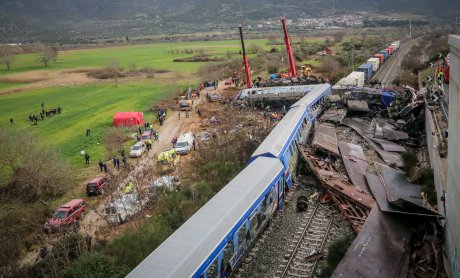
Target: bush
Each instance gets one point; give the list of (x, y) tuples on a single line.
[(30, 169), (95, 265), (409, 160), (427, 180), (133, 246), (335, 253), (113, 140), (109, 72)]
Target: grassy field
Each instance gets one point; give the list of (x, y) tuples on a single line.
[(8, 85), (152, 55), (83, 107)]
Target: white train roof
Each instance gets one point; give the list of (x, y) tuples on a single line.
[(181, 254)]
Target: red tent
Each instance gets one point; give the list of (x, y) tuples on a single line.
[(128, 119)]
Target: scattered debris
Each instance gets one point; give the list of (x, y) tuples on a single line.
[(354, 203), (388, 146), (356, 164), (358, 105), (326, 139), (380, 250), (334, 115), (403, 194)]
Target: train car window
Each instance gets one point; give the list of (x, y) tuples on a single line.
[(228, 254), (263, 205), (253, 224), (212, 271), (242, 236)]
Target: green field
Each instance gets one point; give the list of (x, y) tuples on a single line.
[(152, 55), (89, 106), (8, 85)]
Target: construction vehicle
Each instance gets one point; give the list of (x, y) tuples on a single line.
[(293, 71), (306, 70), (185, 104), (245, 60), (167, 161)]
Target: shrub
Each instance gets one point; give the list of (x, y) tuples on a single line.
[(30, 169), (427, 180), (133, 246), (114, 139), (335, 253), (409, 160), (95, 265)]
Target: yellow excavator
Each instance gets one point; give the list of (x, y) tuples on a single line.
[(306, 70)]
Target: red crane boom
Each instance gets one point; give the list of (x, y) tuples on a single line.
[(245, 59), (289, 48)]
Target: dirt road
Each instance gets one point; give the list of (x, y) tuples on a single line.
[(94, 224)]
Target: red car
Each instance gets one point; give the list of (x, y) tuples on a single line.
[(66, 215), (96, 186), (146, 136)]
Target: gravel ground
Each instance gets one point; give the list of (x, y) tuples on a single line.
[(269, 253)]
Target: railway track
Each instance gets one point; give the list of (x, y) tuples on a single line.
[(308, 243), (391, 69)]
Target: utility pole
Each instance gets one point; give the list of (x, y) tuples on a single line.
[(410, 27), (457, 23)]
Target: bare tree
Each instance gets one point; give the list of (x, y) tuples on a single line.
[(47, 54), (6, 55)]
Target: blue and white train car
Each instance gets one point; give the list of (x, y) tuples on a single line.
[(293, 128), (214, 240)]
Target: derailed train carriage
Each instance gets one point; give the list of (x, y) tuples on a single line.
[(213, 242)]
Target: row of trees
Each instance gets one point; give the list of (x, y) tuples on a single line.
[(47, 54)]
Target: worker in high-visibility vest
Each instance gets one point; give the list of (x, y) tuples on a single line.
[(129, 187)]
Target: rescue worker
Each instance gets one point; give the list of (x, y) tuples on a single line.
[(101, 165), (123, 158), (149, 144), (129, 187), (87, 158)]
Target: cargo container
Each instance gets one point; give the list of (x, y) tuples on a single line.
[(367, 69), (390, 49), (381, 58), (375, 63), (385, 54), (397, 44)]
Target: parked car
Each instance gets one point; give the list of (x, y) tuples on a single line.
[(146, 136), (96, 186), (184, 143), (65, 215), (214, 97), (122, 209), (137, 150)]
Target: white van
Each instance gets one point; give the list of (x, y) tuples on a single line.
[(184, 143)]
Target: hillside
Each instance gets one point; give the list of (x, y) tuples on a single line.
[(32, 19)]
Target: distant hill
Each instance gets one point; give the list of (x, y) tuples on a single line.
[(30, 19)]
